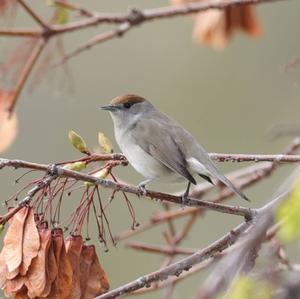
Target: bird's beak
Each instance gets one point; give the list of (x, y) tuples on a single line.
[(109, 107)]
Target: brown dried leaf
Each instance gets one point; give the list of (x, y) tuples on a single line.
[(97, 282), (65, 271), (3, 269), (22, 294), (13, 240), (73, 248), (8, 123), (54, 294), (36, 275), (52, 271), (14, 285), (31, 242), (215, 27), (249, 21), (86, 260), (209, 29), (13, 274)]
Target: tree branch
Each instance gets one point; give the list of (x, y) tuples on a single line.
[(74, 7), (246, 177), (167, 250), (177, 268), (263, 223), (254, 158), (127, 21), (234, 210), (21, 32), (100, 38), (136, 17), (242, 259), (35, 16), (41, 43)]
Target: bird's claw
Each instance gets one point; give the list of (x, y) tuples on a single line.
[(184, 199), (142, 191)]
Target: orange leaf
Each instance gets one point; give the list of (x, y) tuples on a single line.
[(31, 242), (8, 123), (97, 282), (86, 260), (209, 29), (249, 21), (14, 285), (215, 27), (12, 274), (22, 294), (73, 247), (65, 272), (3, 269), (52, 271), (36, 275), (13, 241), (54, 293)]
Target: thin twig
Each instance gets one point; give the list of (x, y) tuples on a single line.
[(41, 43), (21, 32), (167, 250), (100, 38), (30, 194), (74, 7), (35, 16), (136, 17)]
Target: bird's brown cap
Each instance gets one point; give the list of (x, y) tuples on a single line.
[(127, 98)]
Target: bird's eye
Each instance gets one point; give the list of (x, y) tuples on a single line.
[(127, 105)]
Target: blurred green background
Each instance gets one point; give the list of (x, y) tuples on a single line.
[(228, 100)]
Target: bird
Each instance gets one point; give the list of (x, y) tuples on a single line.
[(158, 147)]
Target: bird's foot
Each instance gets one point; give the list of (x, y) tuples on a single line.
[(142, 191), (185, 196), (142, 187), (184, 199)]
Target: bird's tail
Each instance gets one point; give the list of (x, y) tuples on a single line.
[(233, 188), (208, 169)]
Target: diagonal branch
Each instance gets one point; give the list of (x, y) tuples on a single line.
[(179, 267), (167, 250), (74, 7), (35, 16), (100, 38), (258, 227), (242, 259), (41, 43)]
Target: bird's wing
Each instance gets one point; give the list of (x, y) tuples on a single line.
[(157, 141)]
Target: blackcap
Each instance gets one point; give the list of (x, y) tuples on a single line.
[(158, 147)]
